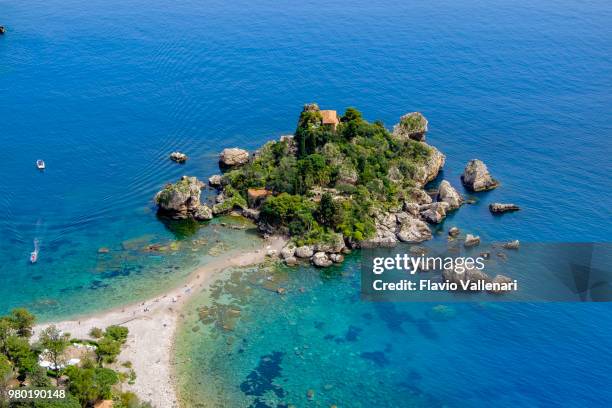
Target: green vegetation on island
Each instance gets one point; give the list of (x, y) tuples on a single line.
[(84, 369)]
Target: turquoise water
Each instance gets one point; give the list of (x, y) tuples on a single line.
[(105, 90)]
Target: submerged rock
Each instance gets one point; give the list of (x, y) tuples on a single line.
[(449, 195), (476, 176), (498, 208), (233, 157), (412, 125), (499, 279)]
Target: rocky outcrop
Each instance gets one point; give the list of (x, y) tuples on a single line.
[(476, 176), (471, 241), (216, 181), (499, 208), (321, 260), (288, 251), (429, 170), (512, 244), (413, 230), (203, 213), (336, 258), (454, 232), (435, 212), (2, 30), (305, 251), (447, 194), (182, 200), (251, 213), (233, 157), (418, 196), (178, 157), (412, 125)]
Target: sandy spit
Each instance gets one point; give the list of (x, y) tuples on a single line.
[(152, 326)]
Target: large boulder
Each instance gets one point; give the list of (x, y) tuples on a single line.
[(180, 200), (435, 212), (304, 251), (471, 241), (449, 195), (288, 251), (178, 157), (498, 208), (476, 176), (233, 157), (216, 181), (203, 213), (321, 260), (429, 169), (412, 125), (413, 230)]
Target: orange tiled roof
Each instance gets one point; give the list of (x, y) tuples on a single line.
[(330, 117)]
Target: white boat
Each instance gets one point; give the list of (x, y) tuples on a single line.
[(40, 164), (34, 254)]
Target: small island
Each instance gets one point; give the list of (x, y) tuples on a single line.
[(339, 183)]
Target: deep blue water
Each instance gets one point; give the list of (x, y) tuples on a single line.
[(105, 90)]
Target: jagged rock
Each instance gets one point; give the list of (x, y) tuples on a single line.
[(180, 200), (288, 251), (512, 244), (178, 157), (413, 230), (334, 246), (305, 251), (321, 260), (251, 213), (412, 209), (220, 198), (417, 195), (203, 213), (499, 279), (471, 241), (291, 261), (449, 195), (454, 232), (336, 258), (233, 157), (411, 126), (476, 176), (502, 208), (430, 169), (215, 181), (434, 212)]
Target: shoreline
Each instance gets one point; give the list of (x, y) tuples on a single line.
[(153, 324)]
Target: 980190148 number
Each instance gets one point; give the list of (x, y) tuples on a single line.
[(29, 394)]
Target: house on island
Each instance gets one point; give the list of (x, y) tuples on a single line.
[(330, 118)]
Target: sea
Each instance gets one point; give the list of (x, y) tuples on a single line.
[(104, 91)]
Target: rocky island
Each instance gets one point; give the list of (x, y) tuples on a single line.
[(339, 183)]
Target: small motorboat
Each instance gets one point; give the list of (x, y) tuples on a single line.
[(34, 254), (40, 164)]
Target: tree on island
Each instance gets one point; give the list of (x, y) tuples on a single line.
[(54, 343)]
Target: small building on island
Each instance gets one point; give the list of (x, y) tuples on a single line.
[(330, 118)]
